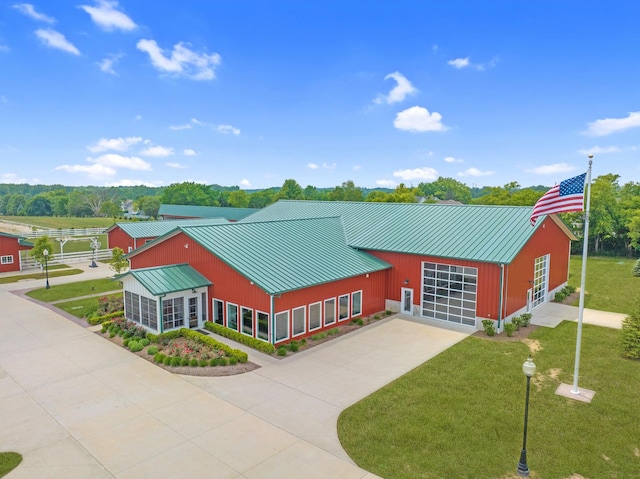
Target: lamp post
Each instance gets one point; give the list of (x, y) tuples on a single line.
[(529, 369), (45, 253)]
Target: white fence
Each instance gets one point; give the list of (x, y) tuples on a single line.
[(64, 233), (29, 261)]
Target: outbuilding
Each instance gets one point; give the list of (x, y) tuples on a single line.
[(10, 247), (298, 267)]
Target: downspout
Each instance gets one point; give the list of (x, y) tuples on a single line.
[(501, 300), (273, 320)]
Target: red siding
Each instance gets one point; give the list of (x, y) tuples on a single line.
[(118, 238), (548, 239), (408, 266), (10, 247)]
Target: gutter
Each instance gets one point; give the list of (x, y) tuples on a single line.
[(501, 296), (273, 320)]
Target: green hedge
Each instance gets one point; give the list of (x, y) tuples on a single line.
[(105, 317), (240, 356), (254, 343)]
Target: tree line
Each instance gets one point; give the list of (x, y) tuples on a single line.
[(614, 218)]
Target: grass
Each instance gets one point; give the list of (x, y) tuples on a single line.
[(52, 274), (610, 284), (81, 308), (55, 222), (74, 290), (8, 462), (461, 413)]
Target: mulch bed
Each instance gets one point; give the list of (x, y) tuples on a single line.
[(519, 335)]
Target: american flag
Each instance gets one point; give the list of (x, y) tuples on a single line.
[(563, 198)]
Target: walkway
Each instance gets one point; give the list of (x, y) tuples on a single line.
[(77, 406), (552, 314)]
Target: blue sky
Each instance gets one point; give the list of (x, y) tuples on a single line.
[(251, 93)]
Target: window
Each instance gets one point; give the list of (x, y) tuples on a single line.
[(356, 303), (343, 307), (315, 316), (127, 305), (173, 313), (263, 325), (282, 326), (135, 308), (247, 321), (7, 259), (232, 316), (329, 311), (218, 312), (149, 312), (449, 292), (299, 321)]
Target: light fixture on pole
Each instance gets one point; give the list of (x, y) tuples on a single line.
[(529, 369), (45, 253)]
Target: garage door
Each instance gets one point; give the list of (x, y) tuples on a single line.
[(449, 292)]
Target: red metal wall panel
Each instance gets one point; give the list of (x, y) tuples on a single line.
[(548, 239), (118, 238), (10, 247), (409, 267)]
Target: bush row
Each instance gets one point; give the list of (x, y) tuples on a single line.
[(176, 361), (105, 317), (563, 293), (239, 356), (254, 343)]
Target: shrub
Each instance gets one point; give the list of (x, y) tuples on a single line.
[(184, 361), (144, 342), (212, 362), (509, 328), (517, 322), (559, 296), (158, 358), (135, 346), (630, 335), (233, 361), (112, 334), (303, 342), (104, 317), (569, 289), (126, 333), (152, 350), (294, 346), (636, 268), (526, 319), (360, 322), (221, 361), (388, 313), (282, 351), (254, 343), (333, 332), (376, 317), (318, 336), (488, 326), (175, 362), (166, 361)]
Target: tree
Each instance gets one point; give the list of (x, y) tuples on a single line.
[(148, 205), (118, 262), (263, 198), (77, 205), (189, 193), (630, 334), (238, 199), (402, 194), (605, 214), (110, 209), (39, 205), (347, 192), (377, 196), (446, 189), (39, 245), (16, 204), (290, 190)]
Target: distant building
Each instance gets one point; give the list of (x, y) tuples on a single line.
[(10, 247), (296, 268), (174, 212)]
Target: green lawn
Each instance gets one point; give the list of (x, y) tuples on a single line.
[(74, 290), (460, 415), (52, 274), (8, 462), (81, 308), (63, 222), (610, 284)]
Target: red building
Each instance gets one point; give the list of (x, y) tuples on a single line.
[(298, 267), (10, 247)]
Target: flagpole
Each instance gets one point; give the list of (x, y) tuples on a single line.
[(583, 278)]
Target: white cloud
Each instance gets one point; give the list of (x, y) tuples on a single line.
[(399, 92), (181, 61), (107, 17), (597, 150), (189, 152), (176, 165), (329, 166), (116, 144), (106, 64), (313, 166), (113, 160), (606, 126), (30, 11), (57, 40), (451, 159), (125, 182), (226, 129), (475, 172), (244, 182), (551, 169), (180, 127), (459, 62), (157, 151), (196, 122), (425, 174), (11, 178), (386, 183), (94, 170), (418, 119)]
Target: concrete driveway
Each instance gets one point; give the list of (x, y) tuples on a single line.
[(77, 406)]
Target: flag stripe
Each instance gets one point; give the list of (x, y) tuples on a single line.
[(566, 197)]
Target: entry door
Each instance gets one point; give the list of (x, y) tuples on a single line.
[(406, 306), (194, 312), (540, 280)]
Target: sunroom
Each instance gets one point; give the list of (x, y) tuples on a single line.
[(165, 297)]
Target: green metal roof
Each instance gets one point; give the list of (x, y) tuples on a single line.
[(148, 229), (168, 279), (21, 240), (282, 256), (492, 234), (233, 214)]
